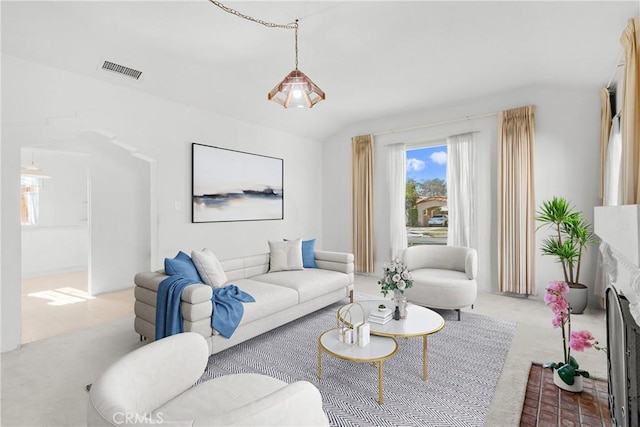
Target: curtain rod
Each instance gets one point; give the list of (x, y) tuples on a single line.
[(413, 144), (619, 64), (428, 125)]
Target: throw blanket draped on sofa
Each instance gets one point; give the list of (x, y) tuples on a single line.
[(168, 310), (227, 307)]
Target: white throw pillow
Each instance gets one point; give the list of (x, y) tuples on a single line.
[(285, 255), (209, 268)]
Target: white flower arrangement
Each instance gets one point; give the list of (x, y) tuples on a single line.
[(395, 276)]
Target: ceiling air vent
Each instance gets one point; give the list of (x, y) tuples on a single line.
[(121, 69)]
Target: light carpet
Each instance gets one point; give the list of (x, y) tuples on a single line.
[(464, 363)]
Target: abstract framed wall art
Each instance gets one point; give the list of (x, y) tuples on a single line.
[(230, 185)]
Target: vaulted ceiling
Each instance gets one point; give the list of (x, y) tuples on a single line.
[(372, 58)]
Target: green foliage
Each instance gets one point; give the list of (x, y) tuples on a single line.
[(571, 235), (554, 211), (412, 195), (432, 187), (413, 217), (564, 251), (567, 373)]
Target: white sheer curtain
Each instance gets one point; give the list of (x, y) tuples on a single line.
[(461, 189), (611, 195), (396, 178)]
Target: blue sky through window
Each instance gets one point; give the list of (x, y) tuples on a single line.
[(427, 163)]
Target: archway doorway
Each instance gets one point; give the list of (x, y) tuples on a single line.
[(94, 233)]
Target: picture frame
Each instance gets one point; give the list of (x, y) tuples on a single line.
[(229, 185)]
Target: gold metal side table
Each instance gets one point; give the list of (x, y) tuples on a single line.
[(377, 351), (419, 322)]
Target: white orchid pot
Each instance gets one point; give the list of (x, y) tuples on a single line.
[(576, 387)]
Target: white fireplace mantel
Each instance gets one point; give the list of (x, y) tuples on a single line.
[(619, 229)]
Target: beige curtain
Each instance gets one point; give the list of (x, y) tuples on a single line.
[(516, 209), (362, 202), (605, 129), (630, 175)]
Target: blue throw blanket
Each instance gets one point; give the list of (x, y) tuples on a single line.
[(228, 309), (168, 310)]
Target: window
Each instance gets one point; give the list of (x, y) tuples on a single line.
[(29, 199), (426, 207)]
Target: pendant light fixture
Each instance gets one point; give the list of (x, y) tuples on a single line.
[(296, 90), (33, 171)]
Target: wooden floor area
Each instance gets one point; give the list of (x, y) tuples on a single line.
[(547, 405)]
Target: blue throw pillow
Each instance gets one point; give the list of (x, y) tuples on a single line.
[(308, 253), (182, 266)]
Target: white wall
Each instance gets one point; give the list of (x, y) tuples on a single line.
[(566, 164), (34, 95), (10, 242), (51, 250), (119, 214)]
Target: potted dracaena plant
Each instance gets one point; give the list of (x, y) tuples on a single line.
[(568, 241)]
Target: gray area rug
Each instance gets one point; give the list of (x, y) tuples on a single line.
[(464, 363)]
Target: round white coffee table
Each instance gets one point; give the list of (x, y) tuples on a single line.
[(419, 322), (377, 351)]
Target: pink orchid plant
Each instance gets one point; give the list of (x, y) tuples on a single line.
[(571, 340)]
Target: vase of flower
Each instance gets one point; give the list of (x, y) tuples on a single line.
[(396, 278), (576, 387), (401, 302)]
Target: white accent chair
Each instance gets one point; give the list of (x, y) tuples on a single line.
[(154, 385), (443, 276)]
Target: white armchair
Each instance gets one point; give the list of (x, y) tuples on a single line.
[(154, 385), (443, 276)]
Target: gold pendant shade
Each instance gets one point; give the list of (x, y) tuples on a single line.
[(296, 90)]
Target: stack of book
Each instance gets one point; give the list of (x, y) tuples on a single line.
[(380, 316)]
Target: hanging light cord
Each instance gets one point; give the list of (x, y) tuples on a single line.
[(290, 26)]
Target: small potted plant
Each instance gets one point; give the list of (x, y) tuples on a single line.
[(567, 374), (571, 235)]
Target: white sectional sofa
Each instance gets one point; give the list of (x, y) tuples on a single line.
[(281, 296)]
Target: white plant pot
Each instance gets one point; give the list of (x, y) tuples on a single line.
[(577, 298), (577, 386)]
